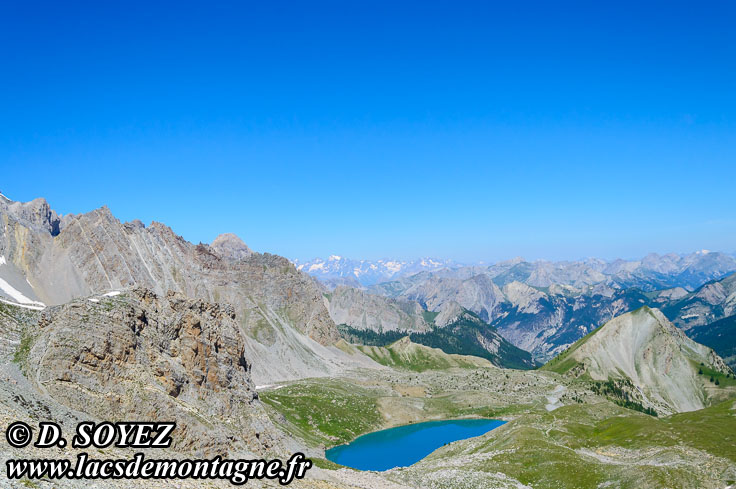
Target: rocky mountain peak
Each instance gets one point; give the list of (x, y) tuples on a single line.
[(95, 252), (449, 313), (520, 294), (644, 349), (36, 214), (230, 247)]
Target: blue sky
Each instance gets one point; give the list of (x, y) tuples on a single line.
[(473, 130)]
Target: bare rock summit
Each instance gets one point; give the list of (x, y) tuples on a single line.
[(230, 247)]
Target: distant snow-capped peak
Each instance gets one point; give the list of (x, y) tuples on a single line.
[(651, 272), (368, 272)]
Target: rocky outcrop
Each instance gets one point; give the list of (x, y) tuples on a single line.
[(230, 247), (138, 355), (36, 214), (525, 298), (449, 313)]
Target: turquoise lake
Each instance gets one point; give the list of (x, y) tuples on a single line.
[(405, 445)]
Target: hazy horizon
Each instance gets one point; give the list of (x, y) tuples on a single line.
[(373, 257), (485, 262)]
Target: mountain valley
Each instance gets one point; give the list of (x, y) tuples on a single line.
[(543, 320), (252, 357)]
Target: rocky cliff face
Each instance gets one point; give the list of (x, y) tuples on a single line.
[(647, 350), (545, 322), (144, 356), (137, 355), (95, 252), (708, 315), (280, 308)]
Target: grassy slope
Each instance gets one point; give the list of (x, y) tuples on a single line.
[(419, 358), (326, 411), (724, 380), (582, 447), (461, 337)]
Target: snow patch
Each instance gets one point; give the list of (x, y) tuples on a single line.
[(24, 306), (17, 295), (112, 293), (393, 266)]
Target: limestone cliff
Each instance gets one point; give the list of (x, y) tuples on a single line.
[(281, 309), (141, 356)]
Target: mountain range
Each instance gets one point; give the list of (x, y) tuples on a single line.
[(251, 357), (521, 308), (338, 270), (49, 259), (653, 272), (546, 319)]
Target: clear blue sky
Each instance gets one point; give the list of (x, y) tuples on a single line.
[(368, 129)]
